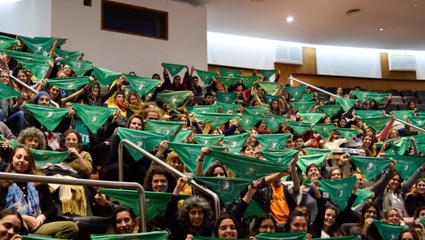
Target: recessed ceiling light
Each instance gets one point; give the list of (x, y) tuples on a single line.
[(290, 19), (354, 12), (381, 29), (256, 1), (416, 5)]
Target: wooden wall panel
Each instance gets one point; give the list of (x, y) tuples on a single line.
[(386, 73)]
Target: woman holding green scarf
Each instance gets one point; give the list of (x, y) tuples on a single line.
[(134, 104)]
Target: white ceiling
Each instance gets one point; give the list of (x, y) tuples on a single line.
[(322, 22)]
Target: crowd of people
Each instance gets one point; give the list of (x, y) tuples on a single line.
[(270, 118)]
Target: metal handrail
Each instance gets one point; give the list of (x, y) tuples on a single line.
[(168, 167), (84, 182), (32, 89), (324, 91)]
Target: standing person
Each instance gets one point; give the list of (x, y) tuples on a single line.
[(33, 200)]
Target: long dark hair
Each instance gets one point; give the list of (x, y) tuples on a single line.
[(113, 221), (220, 219), (257, 223)]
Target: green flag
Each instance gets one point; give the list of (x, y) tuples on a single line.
[(173, 69), (417, 121), (7, 92), (143, 139), (388, 231), (226, 188), (249, 120), (167, 128), (253, 210), (324, 129), (6, 42), (270, 98), (155, 235), (347, 133), (28, 57), (38, 69), (248, 81), (377, 96), (207, 238), (173, 99), (339, 190), (273, 141), (246, 167), (341, 238), (72, 83), (361, 95), (208, 139), (303, 106), (299, 127), (24, 237), (370, 166), (182, 135), (283, 157), (267, 74), (105, 76), (274, 121), (306, 97), (50, 117), (235, 142), (226, 97), (228, 107), (206, 76), (269, 87), (420, 142), (93, 116), (377, 123), (312, 151), (203, 109), (295, 92), (68, 54), (362, 195), (142, 86), (406, 165), (38, 45), (281, 235), (398, 145), (43, 157), (215, 119), (346, 103), (312, 117), (369, 113), (255, 110), (80, 67), (228, 81), (305, 160), (403, 114), (330, 110), (189, 154), (228, 72)]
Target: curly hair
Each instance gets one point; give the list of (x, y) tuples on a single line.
[(33, 132), (66, 133), (191, 203), (153, 170)]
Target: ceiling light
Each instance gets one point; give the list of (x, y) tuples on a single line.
[(416, 5), (256, 1), (354, 12), (290, 19), (381, 29)]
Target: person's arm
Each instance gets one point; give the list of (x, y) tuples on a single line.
[(406, 185), (294, 174), (243, 205), (167, 81), (379, 187), (49, 70), (171, 211), (48, 208), (85, 162), (199, 166), (185, 81)]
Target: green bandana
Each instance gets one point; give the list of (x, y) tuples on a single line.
[(369, 113), (312, 151), (155, 235), (273, 141), (205, 76), (248, 81), (255, 110), (6, 42), (28, 57), (305, 160), (282, 157), (347, 133), (249, 121), (246, 167), (228, 72), (38, 69), (173, 69), (270, 98), (80, 67), (312, 117), (274, 121), (166, 128), (145, 140), (173, 99), (226, 97), (68, 54), (226, 188), (72, 83), (370, 167), (295, 92), (346, 103), (324, 129), (377, 96), (142, 86), (105, 76), (398, 146), (235, 142), (388, 231), (377, 123), (228, 81), (361, 94), (341, 238), (299, 127), (189, 153), (50, 117), (215, 119), (267, 74), (7, 92), (403, 114), (228, 107), (281, 235), (93, 116), (303, 106), (362, 195), (208, 139), (417, 121), (330, 110), (253, 210), (182, 135), (37, 238), (407, 165), (203, 109), (339, 190), (38, 45), (306, 97), (269, 87)]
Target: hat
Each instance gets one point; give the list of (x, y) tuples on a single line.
[(82, 97), (38, 95)]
